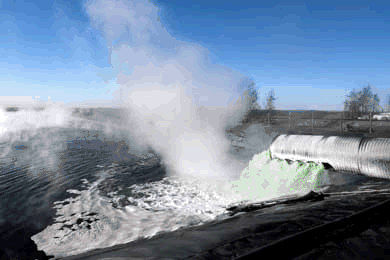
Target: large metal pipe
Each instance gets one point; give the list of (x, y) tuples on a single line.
[(362, 155)]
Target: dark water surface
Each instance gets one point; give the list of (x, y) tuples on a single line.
[(32, 179), (26, 201), (69, 186)]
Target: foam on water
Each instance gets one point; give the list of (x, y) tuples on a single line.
[(199, 193), (160, 206), (90, 221), (265, 178)]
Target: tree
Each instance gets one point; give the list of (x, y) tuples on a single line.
[(251, 95), (253, 91), (351, 102), (387, 105), (373, 103), (270, 101), (254, 96), (368, 101), (362, 102)]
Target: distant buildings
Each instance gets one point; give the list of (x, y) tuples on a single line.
[(382, 116)]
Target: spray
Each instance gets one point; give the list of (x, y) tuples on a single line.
[(175, 100)]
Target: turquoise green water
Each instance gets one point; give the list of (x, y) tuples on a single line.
[(266, 178)]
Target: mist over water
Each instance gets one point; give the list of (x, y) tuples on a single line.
[(175, 103), (169, 82), (144, 210), (81, 165)]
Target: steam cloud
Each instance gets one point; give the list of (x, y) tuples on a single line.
[(176, 100)]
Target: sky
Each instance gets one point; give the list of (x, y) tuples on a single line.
[(311, 54)]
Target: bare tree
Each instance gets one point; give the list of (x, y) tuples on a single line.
[(387, 105), (351, 102), (253, 95), (362, 102), (369, 101), (270, 101)]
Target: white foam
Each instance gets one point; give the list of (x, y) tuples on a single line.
[(264, 178), (167, 205)]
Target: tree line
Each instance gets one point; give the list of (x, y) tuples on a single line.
[(357, 103), (252, 94), (362, 102)]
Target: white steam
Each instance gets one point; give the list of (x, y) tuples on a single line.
[(175, 100)]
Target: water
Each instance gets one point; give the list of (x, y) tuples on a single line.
[(68, 177)]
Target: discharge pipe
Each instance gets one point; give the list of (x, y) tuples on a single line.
[(362, 155)]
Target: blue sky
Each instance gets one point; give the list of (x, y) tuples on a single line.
[(311, 54)]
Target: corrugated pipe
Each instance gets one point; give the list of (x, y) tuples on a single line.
[(362, 155)]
